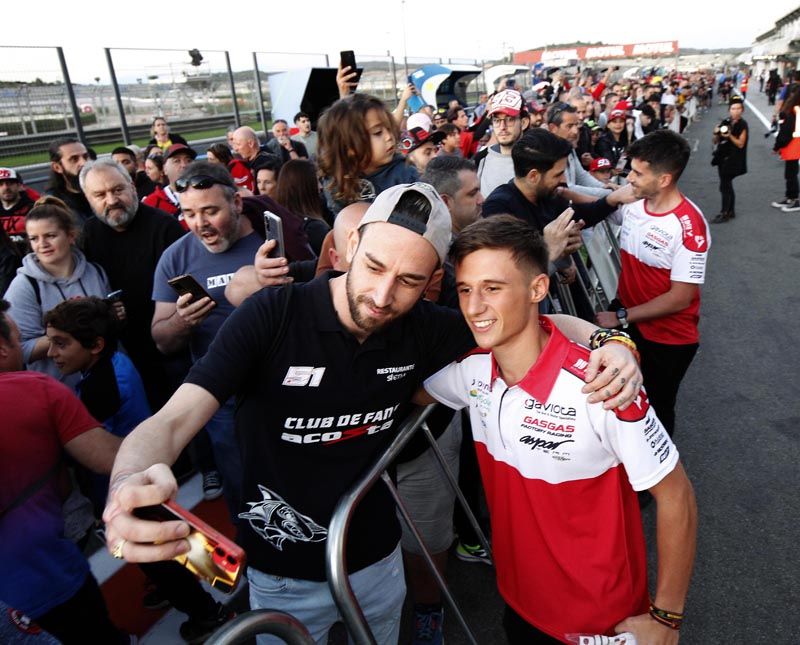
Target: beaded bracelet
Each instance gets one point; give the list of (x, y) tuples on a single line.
[(669, 619)]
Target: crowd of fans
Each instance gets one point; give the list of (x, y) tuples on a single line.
[(86, 273)]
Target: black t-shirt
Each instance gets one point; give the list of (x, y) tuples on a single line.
[(315, 413), (77, 203), (734, 159), (129, 259), (508, 199)]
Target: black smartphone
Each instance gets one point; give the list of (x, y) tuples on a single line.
[(273, 226), (213, 557), (348, 59), (187, 284)]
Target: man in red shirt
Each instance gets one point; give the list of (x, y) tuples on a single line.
[(664, 246)]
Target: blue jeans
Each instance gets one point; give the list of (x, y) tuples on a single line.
[(380, 589), (221, 430)]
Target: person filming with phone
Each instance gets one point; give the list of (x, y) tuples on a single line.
[(220, 241)]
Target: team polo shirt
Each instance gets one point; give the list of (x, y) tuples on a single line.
[(314, 412), (656, 249), (560, 475)]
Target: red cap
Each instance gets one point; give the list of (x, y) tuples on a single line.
[(616, 114), (601, 163), (175, 148)]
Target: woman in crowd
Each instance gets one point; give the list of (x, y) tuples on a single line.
[(221, 153), (614, 142), (56, 270), (357, 151), (266, 172), (787, 145), (162, 137), (730, 155), (154, 167), (298, 191)]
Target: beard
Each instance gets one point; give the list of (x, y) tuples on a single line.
[(72, 181), (362, 321), (122, 215)]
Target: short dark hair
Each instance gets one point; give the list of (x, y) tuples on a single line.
[(86, 320), (301, 115), (442, 173), (5, 328), (222, 152), (412, 205), (666, 151), (523, 240), (538, 149), (448, 128), (452, 113), (648, 110), (555, 114), (122, 150)]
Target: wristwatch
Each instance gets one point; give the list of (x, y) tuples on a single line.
[(622, 316)]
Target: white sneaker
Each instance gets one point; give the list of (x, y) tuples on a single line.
[(782, 203), (792, 206)]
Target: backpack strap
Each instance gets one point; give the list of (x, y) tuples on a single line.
[(31, 489), (35, 286)]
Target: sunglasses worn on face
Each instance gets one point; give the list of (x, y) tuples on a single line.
[(201, 182)]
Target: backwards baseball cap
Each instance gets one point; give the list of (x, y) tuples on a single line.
[(177, 148), (8, 173), (601, 163), (416, 137), (508, 102), (437, 230), (736, 99)]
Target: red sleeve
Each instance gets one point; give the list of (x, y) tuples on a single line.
[(242, 175), (597, 91), (466, 144), (69, 416), (32, 193)]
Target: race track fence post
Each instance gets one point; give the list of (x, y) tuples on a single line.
[(123, 122), (259, 93), (236, 116), (261, 621), (73, 104), (336, 564)]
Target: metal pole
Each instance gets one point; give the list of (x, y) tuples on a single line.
[(236, 119), (327, 61), (394, 77), (76, 114), (261, 113), (428, 558), (335, 548), (262, 621), (123, 122)]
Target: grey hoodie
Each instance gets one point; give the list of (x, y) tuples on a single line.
[(87, 280)]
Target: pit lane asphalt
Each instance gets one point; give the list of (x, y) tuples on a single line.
[(738, 419)]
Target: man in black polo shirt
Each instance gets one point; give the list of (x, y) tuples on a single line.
[(321, 397)]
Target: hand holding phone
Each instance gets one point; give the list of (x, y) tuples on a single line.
[(186, 283), (211, 556), (273, 226), (191, 306)]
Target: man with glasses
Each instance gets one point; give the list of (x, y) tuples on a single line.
[(221, 241), (509, 120), (439, 120)]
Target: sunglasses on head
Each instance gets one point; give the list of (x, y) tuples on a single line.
[(201, 182)]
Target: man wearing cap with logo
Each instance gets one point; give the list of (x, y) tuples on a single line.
[(509, 120), (176, 159), (418, 143), (15, 202), (325, 372), (600, 169)]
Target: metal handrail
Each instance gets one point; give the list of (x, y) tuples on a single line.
[(335, 551), (262, 621)]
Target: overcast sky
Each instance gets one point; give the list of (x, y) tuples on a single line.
[(467, 29)]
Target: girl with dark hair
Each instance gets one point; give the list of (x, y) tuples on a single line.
[(787, 145), (357, 151), (242, 176), (56, 270), (298, 191)]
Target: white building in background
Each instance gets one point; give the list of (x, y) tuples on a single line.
[(778, 48)]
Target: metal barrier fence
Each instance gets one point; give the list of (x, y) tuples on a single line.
[(262, 621), (116, 96)]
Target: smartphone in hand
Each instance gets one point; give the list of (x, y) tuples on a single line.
[(187, 284), (348, 59), (274, 229), (213, 557)]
